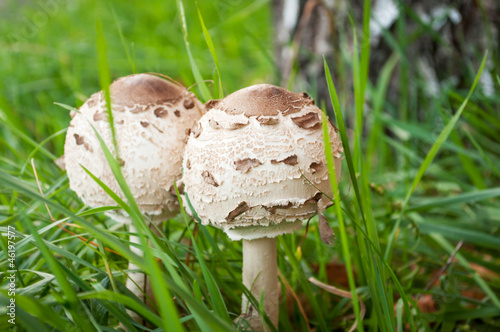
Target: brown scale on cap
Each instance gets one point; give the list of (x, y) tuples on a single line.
[(268, 120), (145, 124), (160, 112), (211, 103), (241, 208), (138, 109), (196, 129), (88, 147), (272, 209), (315, 167), (93, 100), (244, 165), (188, 104), (308, 121), (79, 139), (144, 89), (214, 124), (262, 100), (290, 160), (156, 127), (209, 178), (118, 108), (177, 113), (315, 199), (98, 116)]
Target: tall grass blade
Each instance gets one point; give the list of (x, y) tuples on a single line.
[(205, 93), (75, 306), (342, 228), (160, 288), (105, 80), (215, 295), (211, 47), (124, 44)]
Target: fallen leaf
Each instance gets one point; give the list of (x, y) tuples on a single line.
[(325, 231), (426, 304)]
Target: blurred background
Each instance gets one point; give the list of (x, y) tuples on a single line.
[(49, 46), (423, 57)]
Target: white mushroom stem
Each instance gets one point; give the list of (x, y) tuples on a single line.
[(139, 282), (260, 276)]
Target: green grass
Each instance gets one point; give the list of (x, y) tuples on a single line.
[(411, 187)]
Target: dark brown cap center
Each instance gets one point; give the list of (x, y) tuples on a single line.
[(263, 99), (144, 89)]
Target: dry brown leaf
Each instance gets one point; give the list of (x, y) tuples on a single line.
[(325, 231), (426, 304)]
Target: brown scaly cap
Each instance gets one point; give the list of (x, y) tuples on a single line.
[(144, 89), (262, 100), (247, 161), (151, 116)]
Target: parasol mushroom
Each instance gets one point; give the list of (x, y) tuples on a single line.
[(151, 119), (244, 171)]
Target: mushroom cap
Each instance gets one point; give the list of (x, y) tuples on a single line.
[(245, 162), (152, 117)]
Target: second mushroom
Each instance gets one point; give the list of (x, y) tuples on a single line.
[(151, 117), (245, 169)]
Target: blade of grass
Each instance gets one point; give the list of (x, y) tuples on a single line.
[(342, 228), (205, 93), (140, 308), (379, 94), (168, 311), (458, 199), (42, 143), (75, 306), (162, 288), (343, 135), (26, 320), (215, 295), (133, 210), (26, 138), (211, 47), (456, 232), (372, 268), (124, 44), (41, 311), (481, 152), (393, 276), (304, 283), (105, 80), (465, 264)]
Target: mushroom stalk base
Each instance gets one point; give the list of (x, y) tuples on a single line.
[(260, 276), (139, 283)]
